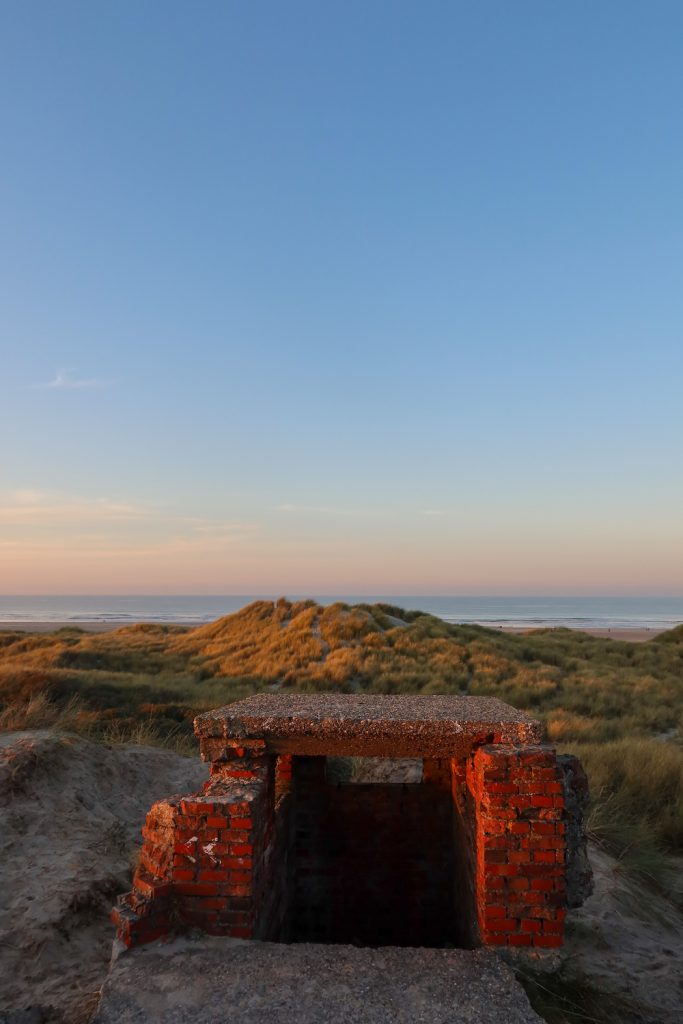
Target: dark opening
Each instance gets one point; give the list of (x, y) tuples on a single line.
[(376, 863)]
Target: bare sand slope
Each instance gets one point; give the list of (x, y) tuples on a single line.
[(70, 818), (628, 940)]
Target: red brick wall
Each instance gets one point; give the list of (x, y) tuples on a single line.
[(214, 860), (518, 802)]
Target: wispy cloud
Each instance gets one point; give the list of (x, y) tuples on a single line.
[(335, 510), (326, 510), (217, 528), (26, 496), (30, 510), (32, 507), (66, 380)]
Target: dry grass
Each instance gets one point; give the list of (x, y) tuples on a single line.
[(40, 712), (637, 811), (607, 700), (562, 997), (147, 734)]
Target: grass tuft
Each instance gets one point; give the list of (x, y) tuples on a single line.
[(571, 998)]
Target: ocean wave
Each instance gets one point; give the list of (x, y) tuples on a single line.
[(494, 612)]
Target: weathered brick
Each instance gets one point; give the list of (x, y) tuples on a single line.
[(496, 911), (241, 849), (547, 941), (212, 875), (197, 889), (243, 824), (197, 808)]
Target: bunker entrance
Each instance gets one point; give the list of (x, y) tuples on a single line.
[(379, 856)]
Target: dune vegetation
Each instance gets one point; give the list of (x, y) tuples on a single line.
[(618, 705)]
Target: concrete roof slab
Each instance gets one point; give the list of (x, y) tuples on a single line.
[(395, 725)]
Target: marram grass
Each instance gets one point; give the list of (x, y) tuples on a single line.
[(618, 705)]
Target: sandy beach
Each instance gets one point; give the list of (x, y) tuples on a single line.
[(635, 635), (49, 627)]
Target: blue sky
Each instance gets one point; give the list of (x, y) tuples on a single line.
[(374, 296)]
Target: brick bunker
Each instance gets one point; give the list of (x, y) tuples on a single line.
[(488, 848)]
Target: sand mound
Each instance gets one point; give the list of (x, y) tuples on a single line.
[(70, 818), (628, 940)]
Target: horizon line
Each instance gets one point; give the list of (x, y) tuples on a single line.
[(276, 595)]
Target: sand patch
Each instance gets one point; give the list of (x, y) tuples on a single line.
[(70, 818)]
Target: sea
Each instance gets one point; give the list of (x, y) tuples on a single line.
[(574, 612)]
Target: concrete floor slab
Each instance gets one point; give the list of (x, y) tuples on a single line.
[(207, 980)]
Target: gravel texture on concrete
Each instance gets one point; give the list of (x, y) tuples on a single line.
[(416, 724), (210, 981)]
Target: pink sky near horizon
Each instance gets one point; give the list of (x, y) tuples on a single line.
[(66, 545)]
